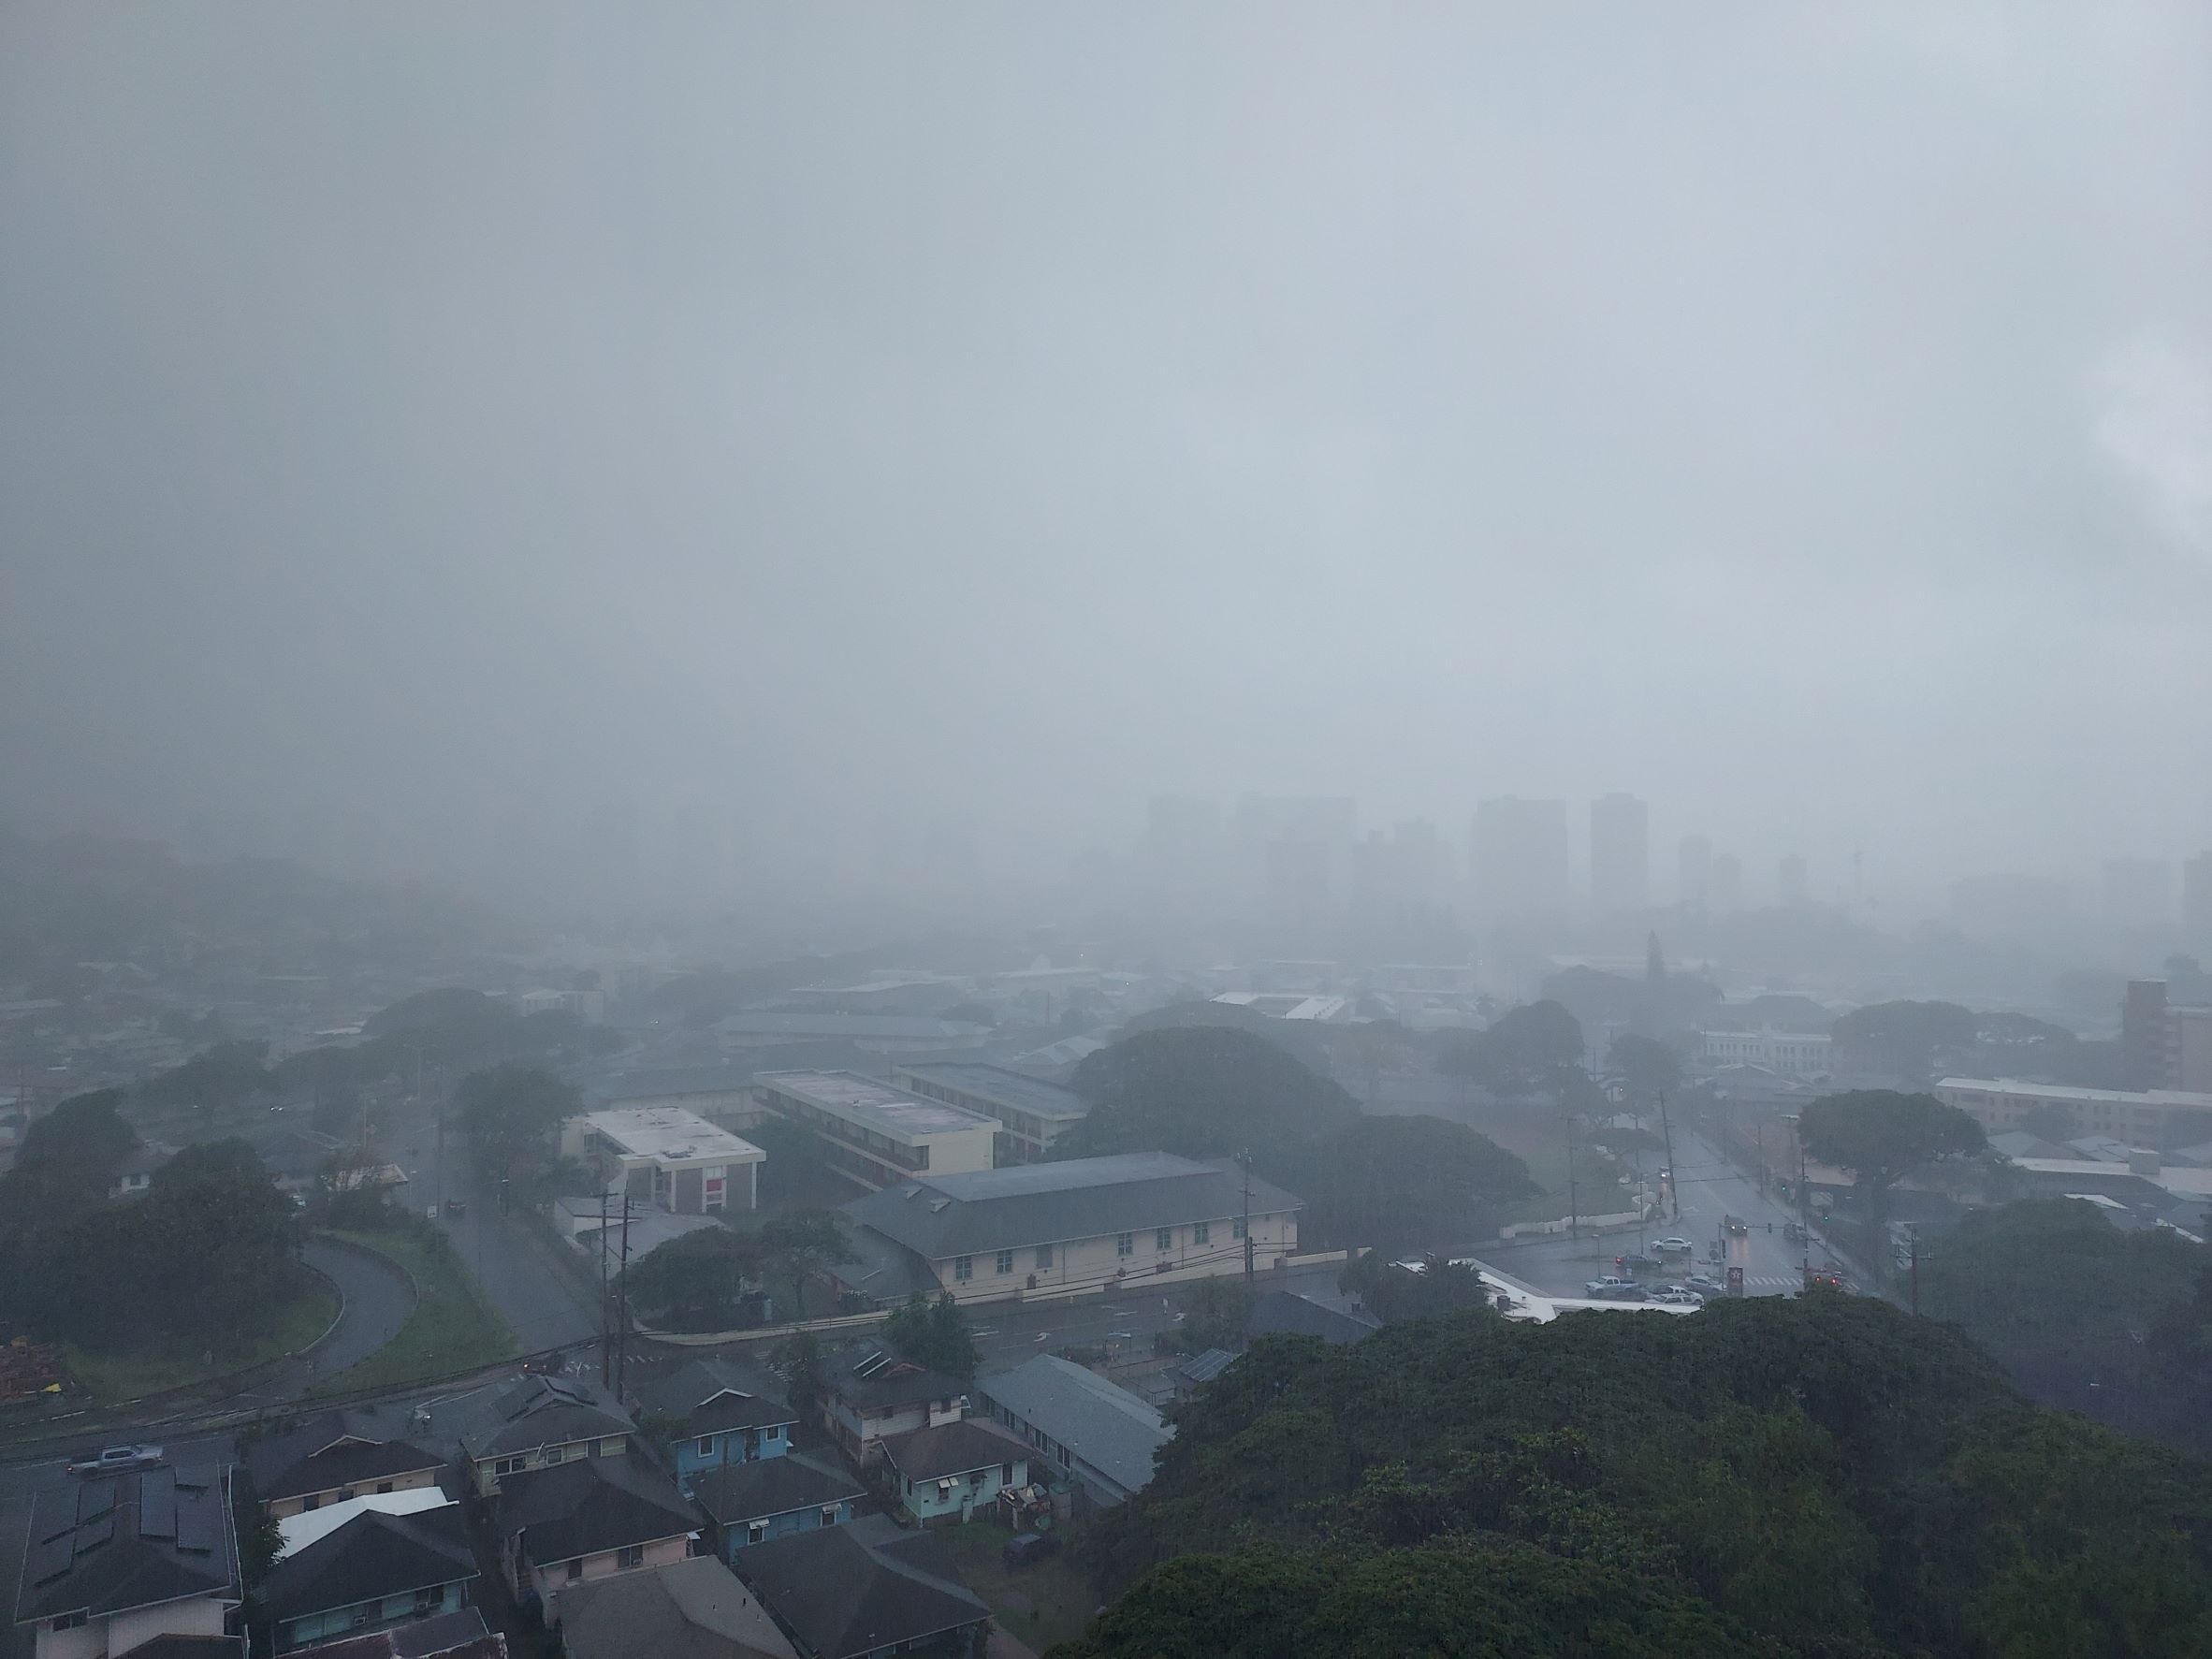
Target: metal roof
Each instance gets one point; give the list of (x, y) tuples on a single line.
[(1081, 1197), (1001, 1087), (1105, 1425), (876, 1105)]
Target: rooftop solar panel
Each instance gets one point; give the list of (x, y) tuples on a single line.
[(91, 1535), (157, 1504)]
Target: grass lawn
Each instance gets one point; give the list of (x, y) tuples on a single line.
[(452, 1329), (1040, 1604), (127, 1376)]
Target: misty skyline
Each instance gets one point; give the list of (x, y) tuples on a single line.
[(792, 431)]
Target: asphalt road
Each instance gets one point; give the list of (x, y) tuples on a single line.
[(1708, 1187), (509, 1259)]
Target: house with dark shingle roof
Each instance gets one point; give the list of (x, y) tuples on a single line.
[(846, 1592), (726, 1412), (376, 1570), (536, 1422), (443, 1635), (868, 1391), (583, 1520), (691, 1609), (112, 1564), (331, 1458), (751, 1502), (1062, 1229), (954, 1471)]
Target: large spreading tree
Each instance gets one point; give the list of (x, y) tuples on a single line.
[(1879, 1136)]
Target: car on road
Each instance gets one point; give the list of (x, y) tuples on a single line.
[(1829, 1278), (1793, 1232), (114, 1460), (1609, 1282), (1675, 1246), (1637, 1263), (1705, 1285), (1736, 1224), (456, 1206), (1676, 1296)]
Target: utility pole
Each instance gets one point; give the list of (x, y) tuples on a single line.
[(1804, 1211), (1913, 1262), (1574, 1207), (607, 1336), (1244, 1158), (1759, 1130), (1674, 1185), (622, 1300)]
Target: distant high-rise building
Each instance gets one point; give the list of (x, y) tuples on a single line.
[(1789, 881), (1694, 871), (1518, 859), (2138, 892), (2143, 1034), (1727, 882), (1620, 855), (1182, 850), (1315, 834), (2196, 901)]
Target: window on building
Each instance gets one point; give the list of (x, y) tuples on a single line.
[(575, 1569), (1202, 1232), (554, 1454), (829, 1515), (1236, 1228), (1005, 1474), (1044, 1255), (313, 1501), (964, 1268), (706, 1447), (975, 1476), (1165, 1238), (429, 1600), (346, 1493), (630, 1555), (755, 1531), (69, 1620), (383, 1486), (1005, 1262), (1125, 1244)]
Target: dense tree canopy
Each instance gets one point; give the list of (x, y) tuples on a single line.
[(1392, 1290), (697, 1282), (1393, 1182), (209, 1252), (2082, 1315), (1906, 1038), (1530, 1050), (933, 1333), (1877, 1136), (509, 1114), (1820, 1476), (1202, 1091), (1647, 1066)]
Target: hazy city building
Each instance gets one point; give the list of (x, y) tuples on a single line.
[(1620, 854), (2196, 901), (1518, 863), (1727, 882), (1693, 872), (2138, 892), (1790, 885)]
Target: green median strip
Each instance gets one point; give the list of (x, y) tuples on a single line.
[(452, 1329)]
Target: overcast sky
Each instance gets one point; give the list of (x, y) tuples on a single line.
[(419, 421)]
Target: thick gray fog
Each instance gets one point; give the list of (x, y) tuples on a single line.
[(789, 442)]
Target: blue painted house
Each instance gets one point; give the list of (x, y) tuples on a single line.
[(726, 1413), (955, 1472), (774, 1497)]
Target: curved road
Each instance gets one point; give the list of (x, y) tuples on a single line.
[(378, 1298)]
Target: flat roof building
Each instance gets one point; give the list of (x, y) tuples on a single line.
[(875, 1134), (1062, 1229), (675, 1158), (2139, 1117), (1031, 1113)]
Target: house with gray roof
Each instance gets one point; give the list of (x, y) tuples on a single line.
[(954, 1471), (377, 1570), (847, 1591), (751, 1502), (868, 1391), (535, 1422), (687, 1609), (1067, 1228), (723, 1411), (1097, 1434), (442, 1635), (583, 1520), (333, 1456), (112, 1564)]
